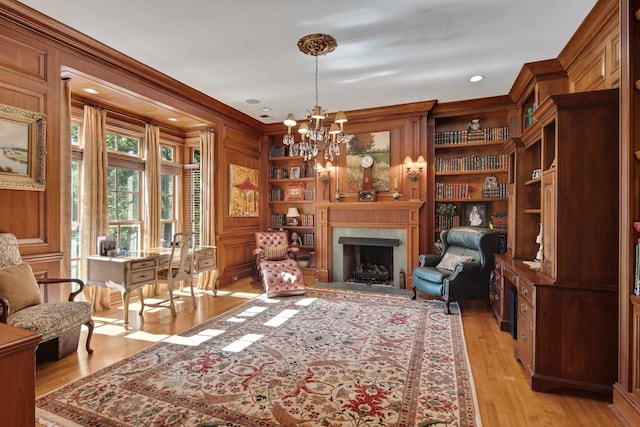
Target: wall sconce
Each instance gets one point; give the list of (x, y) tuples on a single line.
[(325, 172), (414, 169), (292, 216)]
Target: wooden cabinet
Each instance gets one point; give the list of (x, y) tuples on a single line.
[(18, 375), (565, 190), (471, 167), (292, 184), (626, 392), (563, 333)]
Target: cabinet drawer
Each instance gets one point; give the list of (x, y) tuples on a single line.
[(139, 265), (524, 343), (144, 276)]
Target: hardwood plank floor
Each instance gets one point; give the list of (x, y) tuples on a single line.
[(504, 396)]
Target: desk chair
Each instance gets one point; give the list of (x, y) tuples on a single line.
[(179, 268)]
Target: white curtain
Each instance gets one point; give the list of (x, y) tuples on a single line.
[(94, 197), (65, 177), (151, 213), (207, 279)]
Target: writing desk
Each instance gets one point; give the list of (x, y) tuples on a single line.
[(130, 273)]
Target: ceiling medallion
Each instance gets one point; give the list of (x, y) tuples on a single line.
[(317, 44), (313, 133)]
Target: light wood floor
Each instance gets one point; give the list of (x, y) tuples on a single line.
[(504, 396)]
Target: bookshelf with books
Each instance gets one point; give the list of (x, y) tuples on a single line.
[(470, 165), (292, 186)]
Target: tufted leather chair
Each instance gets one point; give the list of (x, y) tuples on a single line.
[(467, 279), (58, 322), (276, 266)]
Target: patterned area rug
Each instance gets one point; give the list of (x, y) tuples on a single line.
[(329, 358)]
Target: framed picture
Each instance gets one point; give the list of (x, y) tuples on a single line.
[(22, 149), (475, 214), (376, 145), (295, 172), (295, 192), (243, 191)]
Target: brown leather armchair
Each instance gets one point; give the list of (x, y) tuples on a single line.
[(276, 266)]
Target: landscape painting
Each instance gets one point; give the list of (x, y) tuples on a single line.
[(376, 145), (22, 149)]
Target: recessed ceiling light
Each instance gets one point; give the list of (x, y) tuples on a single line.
[(266, 109), (172, 119), (477, 78), (253, 101), (90, 90)]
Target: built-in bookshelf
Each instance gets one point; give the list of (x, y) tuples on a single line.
[(292, 184), (470, 166)]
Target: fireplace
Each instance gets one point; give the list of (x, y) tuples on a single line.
[(378, 220), (369, 255), (368, 260)]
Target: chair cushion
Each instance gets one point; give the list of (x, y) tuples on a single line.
[(18, 285), (52, 319), (430, 274), (275, 253), (449, 261)]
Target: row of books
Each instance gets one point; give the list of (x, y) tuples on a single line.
[(472, 163), (275, 151), (276, 194), (443, 222), (499, 221), (466, 136), (305, 220), (278, 173), (452, 191), (308, 239), (502, 191)]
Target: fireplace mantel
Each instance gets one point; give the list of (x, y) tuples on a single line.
[(400, 214)]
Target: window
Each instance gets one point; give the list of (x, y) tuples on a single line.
[(123, 206), (167, 206), (192, 196), (166, 153), (123, 144), (76, 167)]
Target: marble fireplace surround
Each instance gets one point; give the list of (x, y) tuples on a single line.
[(367, 219)]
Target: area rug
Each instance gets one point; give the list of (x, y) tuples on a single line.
[(329, 358)]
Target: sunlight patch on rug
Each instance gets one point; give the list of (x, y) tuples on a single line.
[(328, 358)]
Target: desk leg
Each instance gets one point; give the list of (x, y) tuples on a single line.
[(141, 294), (125, 302)]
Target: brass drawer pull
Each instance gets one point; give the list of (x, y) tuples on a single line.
[(523, 290), (523, 336), (523, 308)]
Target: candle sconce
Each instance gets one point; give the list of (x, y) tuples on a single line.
[(414, 169), (324, 173)]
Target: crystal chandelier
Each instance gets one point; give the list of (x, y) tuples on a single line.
[(315, 136)]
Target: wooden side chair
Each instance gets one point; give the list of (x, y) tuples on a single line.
[(179, 268)]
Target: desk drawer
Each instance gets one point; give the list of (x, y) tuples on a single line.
[(139, 265), (144, 276), (204, 263), (525, 310)]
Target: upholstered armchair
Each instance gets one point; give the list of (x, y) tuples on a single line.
[(58, 322), (276, 265), (462, 271)]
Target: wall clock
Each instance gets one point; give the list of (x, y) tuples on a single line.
[(367, 194)]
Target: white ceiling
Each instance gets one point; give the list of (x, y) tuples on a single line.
[(389, 51)]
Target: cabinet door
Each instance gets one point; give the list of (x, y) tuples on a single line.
[(549, 223)]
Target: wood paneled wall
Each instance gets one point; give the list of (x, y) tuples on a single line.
[(34, 50)]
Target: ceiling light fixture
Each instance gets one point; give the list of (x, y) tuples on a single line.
[(90, 90), (476, 78), (314, 136)]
